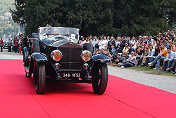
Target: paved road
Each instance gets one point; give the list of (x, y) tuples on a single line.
[(10, 55), (162, 82)]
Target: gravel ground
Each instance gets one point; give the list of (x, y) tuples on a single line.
[(162, 82)]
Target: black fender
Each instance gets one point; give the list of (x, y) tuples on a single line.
[(98, 59), (36, 58), (25, 56), (101, 58), (26, 51), (39, 57)]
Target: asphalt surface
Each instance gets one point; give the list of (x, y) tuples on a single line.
[(166, 83), (10, 55)]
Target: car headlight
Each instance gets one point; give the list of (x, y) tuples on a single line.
[(56, 55), (86, 55)]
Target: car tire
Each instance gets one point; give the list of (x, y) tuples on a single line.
[(25, 60), (40, 79), (100, 78)]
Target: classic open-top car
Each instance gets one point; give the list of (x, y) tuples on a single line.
[(54, 53)]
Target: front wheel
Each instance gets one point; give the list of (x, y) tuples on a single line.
[(100, 78), (40, 79)]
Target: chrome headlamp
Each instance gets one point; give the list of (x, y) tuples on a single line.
[(86, 55), (56, 55)]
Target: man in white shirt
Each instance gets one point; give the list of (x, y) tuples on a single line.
[(103, 43), (95, 41), (169, 59)]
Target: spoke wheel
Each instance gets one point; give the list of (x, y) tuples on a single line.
[(40, 79), (100, 78)]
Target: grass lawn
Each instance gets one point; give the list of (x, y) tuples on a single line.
[(152, 71)]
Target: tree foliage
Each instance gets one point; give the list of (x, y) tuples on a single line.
[(98, 17), (7, 26)]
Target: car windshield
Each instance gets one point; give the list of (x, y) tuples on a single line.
[(62, 31), (56, 41)]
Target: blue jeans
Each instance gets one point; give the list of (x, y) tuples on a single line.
[(157, 60), (150, 59), (169, 64), (127, 64)]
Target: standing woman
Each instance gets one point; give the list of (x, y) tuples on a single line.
[(20, 46), (16, 45), (9, 46), (82, 41), (101, 43), (1, 44)]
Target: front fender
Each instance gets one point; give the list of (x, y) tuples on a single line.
[(39, 57), (101, 57), (26, 51)]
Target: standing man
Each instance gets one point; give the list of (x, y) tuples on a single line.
[(94, 42), (110, 44), (10, 44), (1, 44)]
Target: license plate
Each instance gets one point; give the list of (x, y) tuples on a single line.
[(68, 75)]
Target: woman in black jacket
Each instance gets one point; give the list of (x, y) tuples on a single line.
[(157, 51)]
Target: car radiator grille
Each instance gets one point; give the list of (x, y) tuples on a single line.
[(71, 58)]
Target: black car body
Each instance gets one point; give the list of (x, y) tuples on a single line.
[(54, 53)]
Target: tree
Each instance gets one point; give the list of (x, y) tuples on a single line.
[(91, 16), (7, 26), (18, 14), (98, 17), (137, 17)]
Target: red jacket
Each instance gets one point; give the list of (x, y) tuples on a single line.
[(1, 42), (16, 43)]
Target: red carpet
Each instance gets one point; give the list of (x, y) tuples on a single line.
[(123, 98)]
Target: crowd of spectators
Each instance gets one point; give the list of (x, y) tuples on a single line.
[(14, 44), (157, 52)]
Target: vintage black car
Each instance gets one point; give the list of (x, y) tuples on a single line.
[(54, 54)]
